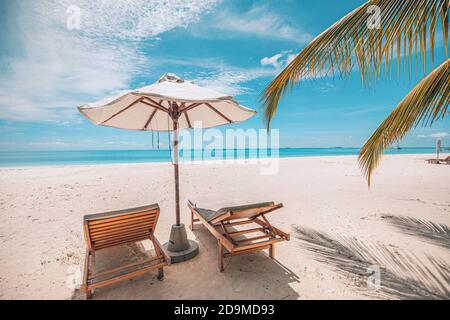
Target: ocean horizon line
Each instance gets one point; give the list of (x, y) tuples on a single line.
[(196, 149), (32, 158)]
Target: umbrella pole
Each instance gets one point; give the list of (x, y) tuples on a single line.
[(179, 247), (176, 172)]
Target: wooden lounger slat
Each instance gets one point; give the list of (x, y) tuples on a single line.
[(118, 213), (121, 222), (148, 221), (128, 266), (241, 232), (119, 242), (115, 238), (254, 245), (219, 224), (238, 223), (102, 234), (253, 239), (149, 224), (246, 211), (221, 218), (126, 234), (117, 228), (123, 228), (228, 254), (126, 276), (118, 218), (281, 233)]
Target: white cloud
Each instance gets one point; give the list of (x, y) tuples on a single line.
[(262, 22), (279, 60), (218, 75), (56, 65), (326, 87), (434, 135), (273, 60), (231, 80), (139, 19)]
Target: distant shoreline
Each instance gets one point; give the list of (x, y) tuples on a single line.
[(196, 162), (157, 150)]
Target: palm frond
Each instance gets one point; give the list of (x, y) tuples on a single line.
[(437, 233), (353, 42), (426, 103), (404, 275)]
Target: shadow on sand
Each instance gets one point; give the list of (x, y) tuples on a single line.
[(403, 275), (429, 231), (252, 276)]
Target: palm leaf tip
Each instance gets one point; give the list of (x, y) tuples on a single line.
[(427, 102), (273, 93)]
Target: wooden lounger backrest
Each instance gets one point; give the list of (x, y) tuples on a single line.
[(246, 211), (115, 228)]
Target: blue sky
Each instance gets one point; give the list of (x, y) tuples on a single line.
[(236, 47)]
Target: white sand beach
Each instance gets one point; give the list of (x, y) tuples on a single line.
[(338, 229)]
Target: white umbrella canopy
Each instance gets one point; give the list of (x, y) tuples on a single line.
[(151, 107)]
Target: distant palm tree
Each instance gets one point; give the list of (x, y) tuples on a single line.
[(372, 37)]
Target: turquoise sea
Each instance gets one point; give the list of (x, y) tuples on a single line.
[(49, 158)]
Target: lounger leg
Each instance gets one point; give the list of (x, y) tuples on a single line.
[(88, 293), (192, 220), (94, 263), (86, 275), (272, 251), (160, 274), (220, 256), (155, 246)]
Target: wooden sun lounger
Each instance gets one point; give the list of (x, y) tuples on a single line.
[(117, 228), (234, 242), (439, 161)]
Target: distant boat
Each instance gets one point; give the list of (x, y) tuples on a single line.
[(398, 147)]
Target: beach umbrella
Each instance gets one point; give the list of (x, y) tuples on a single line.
[(170, 104)]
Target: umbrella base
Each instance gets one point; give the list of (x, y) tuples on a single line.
[(179, 248)]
